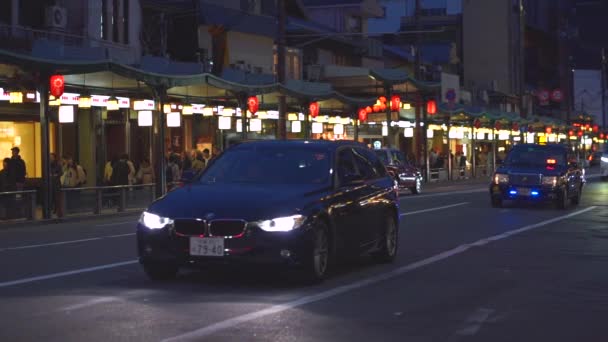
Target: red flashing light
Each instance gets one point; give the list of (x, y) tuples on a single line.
[(431, 107)]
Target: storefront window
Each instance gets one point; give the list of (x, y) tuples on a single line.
[(26, 136)]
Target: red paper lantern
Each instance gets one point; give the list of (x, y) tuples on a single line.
[(497, 125), (57, 85), (570, 132), (477, 123), (313, 109), (376, 108), (382, 99), (362, 114), (395, 103), (253, 104), (515, 127), (368, 109), (580, 133), (596, 128), (601, 135), (431, 107), (549, 129), (383, 106), (587, 126), (530, 129)]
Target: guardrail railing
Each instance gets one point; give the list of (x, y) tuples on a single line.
[(101, 199), (18, 205)]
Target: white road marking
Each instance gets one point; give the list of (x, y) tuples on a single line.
[(475, 321), (199, 334), (116, 224), (442, 194), (64, 242), (66, 273), (89, 303), (433, 209)]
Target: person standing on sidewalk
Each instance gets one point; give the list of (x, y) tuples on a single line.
[(17, 170), (4, 186)]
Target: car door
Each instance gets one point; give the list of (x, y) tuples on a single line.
[(345, 208), (372, 202)]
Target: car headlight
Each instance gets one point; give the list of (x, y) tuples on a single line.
[(282, 224), (605, 159), (501, 178), (154, 221), (552, 180)]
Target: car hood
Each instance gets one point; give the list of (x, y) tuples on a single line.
[(237, 201), (531, 170)]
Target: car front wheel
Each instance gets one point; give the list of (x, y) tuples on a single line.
[(318, 259), (390, 243), (417, 188), (496, 202)]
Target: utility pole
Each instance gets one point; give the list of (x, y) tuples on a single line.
[(418, 60), (603, 88), (522, 63), (281, 13)]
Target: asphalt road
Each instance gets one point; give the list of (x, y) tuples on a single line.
[(465, 272)]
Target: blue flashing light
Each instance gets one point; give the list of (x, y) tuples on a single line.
[(534, 193), (513, 192)]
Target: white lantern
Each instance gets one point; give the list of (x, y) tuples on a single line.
[(317, 127), (430, 133), (224, 122), (144, 118), (530, 138), (385, 131), (255, 125), (66, 114), (239, 125), (173, 119), (338, 129), (296, 126), (408, 132)]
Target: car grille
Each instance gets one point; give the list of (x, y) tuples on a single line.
[(525, 179), (226, 227), (190, 227)]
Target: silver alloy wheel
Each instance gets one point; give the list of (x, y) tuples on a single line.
[(418, 185), (391, 238), (321, 252)]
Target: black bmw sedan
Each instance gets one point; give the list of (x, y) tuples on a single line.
[(301, 204)]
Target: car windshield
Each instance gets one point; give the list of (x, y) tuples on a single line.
[(270, 165), (535, 156)]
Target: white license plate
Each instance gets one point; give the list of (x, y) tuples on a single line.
[(210, 246), (524, 191)]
